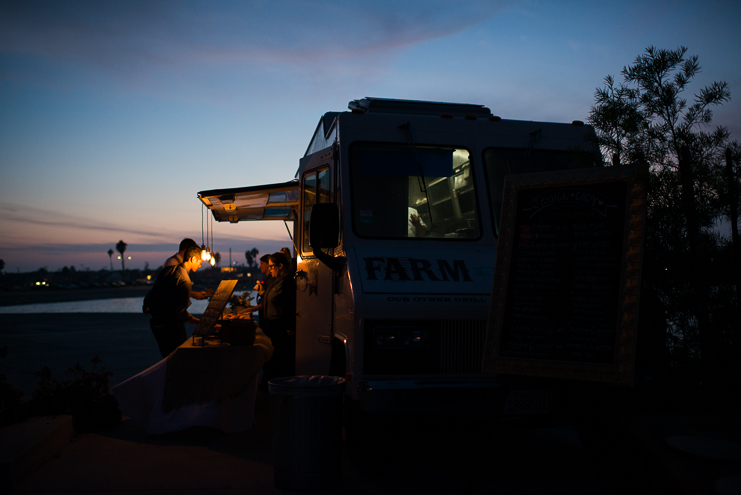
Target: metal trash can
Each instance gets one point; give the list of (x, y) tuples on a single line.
[(306, 417)]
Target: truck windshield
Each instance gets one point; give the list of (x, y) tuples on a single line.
[(413, 192), (499, 162)]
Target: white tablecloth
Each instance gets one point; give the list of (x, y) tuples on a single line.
[(140, 398)]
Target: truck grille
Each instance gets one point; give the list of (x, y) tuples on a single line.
[(462, 346), (424, 347)]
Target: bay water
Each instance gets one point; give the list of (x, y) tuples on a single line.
[(116, 305)]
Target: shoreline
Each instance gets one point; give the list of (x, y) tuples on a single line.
[(18, 298)]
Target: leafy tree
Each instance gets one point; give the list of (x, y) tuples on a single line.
[(618, 121), (730, 204), (647, 118), (121, 248)]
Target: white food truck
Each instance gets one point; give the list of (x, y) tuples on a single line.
[(395, 215)]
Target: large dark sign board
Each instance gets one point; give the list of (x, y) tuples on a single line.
[(215, 308), (567, 274)]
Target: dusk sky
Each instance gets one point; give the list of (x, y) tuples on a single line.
[(114, 114)]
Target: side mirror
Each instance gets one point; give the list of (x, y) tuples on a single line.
[(324, 230)]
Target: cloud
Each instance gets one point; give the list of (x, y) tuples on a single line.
[(137, 36), (271, 245), (41, 217)]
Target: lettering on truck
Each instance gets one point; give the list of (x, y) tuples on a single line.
[(413, 269)]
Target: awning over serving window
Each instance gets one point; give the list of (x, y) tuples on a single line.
[(266, 202)]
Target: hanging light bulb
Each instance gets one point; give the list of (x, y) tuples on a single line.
[(206, 254)]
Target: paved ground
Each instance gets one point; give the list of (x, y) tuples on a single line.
[(452, 458), (451, 455), (204, 461)]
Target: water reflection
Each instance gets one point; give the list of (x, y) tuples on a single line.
[(119, 305)]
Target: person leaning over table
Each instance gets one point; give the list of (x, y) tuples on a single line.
[(278, 319), (168, 300), (177, 258)]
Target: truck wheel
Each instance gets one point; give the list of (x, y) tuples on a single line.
[(362, 437), (337, 360)]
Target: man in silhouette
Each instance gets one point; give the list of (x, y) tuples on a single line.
[(168, 300)]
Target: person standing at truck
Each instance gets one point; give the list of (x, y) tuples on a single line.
[(292, 265), (261, 286), (278, 319), (168, 300), (177, 258)]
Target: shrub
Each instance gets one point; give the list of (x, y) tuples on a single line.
[(12, 407), (85, 396)]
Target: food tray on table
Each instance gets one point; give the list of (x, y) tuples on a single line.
[(236, 330)]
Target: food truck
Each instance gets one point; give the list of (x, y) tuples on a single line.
[(395, 214)]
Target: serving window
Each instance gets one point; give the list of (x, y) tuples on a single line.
[(413, 192)]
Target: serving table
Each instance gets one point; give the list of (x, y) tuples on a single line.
[(212, 385)]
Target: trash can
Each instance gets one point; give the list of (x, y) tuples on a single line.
[(306, 417)]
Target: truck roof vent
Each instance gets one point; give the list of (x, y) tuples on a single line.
[(418, 107)]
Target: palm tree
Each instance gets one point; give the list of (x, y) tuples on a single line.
[(251, 256), (110, 258), (121, 248), (217, 258)]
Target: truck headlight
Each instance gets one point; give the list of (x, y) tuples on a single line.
[(400, 337)]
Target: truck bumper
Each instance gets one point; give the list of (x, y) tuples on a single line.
[(431, 396)]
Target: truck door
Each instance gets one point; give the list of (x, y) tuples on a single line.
[(314, 280)]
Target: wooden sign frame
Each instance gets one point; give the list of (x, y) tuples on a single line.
[(573, 338), (215, 308)]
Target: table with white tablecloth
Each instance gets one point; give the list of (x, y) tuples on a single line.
[(212, 385)]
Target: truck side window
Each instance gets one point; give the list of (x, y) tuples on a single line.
[(316, 190), (413, 192)]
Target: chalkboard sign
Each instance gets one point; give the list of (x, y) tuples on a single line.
[(566, 279), (215, 308)]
